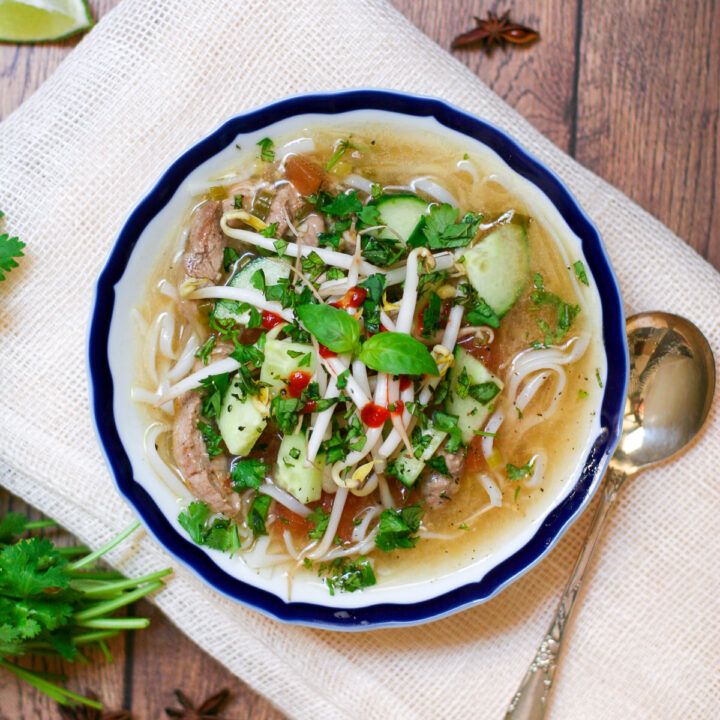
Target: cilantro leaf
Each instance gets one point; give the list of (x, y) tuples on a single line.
[(375, 285), (11, 524), (248, 473), (320, 519), (442, 231), (266, 149), (397, 526), (212, 439), (219, 535), (580, 272), (10, 248), (349, 575), (258, 514)]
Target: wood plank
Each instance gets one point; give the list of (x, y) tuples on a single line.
[(649, 109), (536, 80), (165, 659)]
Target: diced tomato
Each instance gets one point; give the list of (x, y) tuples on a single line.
[(374, 415), (295, 523), (297, 382), (326, 352), (270, 319), (304, 174), (475, 461)]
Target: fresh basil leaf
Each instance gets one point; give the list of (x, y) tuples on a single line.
[(332, 327), (397, 354)]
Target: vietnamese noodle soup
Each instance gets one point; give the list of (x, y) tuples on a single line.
[(368, 354)]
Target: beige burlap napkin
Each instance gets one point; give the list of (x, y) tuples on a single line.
[(153, 77)]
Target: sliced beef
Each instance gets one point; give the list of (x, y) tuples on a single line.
[(204, 255), (287, 200), (438, 488), (208, 480), (314, 225), (246, 188)]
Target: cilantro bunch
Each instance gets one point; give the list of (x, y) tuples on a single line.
[(54, 605), (10, 249)]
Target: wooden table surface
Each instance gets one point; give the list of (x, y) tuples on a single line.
[(628, 87)]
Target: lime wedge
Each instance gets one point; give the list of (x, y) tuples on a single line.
[(32, 21)]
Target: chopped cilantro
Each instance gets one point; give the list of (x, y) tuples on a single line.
[(349, 575), (270, 230), (213, 391), (258, 514), (438, 462), (10, 248), (442, 230), (580, 272), (566, 313), (204, 352), (266, 149), (211, 438), (397, 526), (375, 285), (238, 200), (340, 147), (582, 394), (320, 519), (220, 534), (230, 257), (248, 473), (483, 392), (598, 378), (280, 247), (431, 315), (518, 473)]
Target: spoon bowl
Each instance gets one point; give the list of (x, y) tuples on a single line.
[(670, 390), (671, 385)]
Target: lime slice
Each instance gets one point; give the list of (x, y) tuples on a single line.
[(31, 21)]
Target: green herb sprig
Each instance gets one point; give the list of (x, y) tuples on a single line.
[(53, 605)]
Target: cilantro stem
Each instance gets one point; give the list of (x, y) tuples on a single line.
[(95, 636), (75, 550), (102, 575), (90, 588), (92, 557), (60, 695), (115, 623), (39, 524), (109, 606)]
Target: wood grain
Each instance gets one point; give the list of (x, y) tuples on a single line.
[(630, 87), (649, 109)]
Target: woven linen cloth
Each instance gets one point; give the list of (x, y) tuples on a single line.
[(152, 78)]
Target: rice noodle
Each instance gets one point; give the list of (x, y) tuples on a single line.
[(168, 289), (428, 186), (368, 515), (284, 498), (386, 497), (491, 426), (191, 382), (167, 335), (332, 526), (359, 371), (322, 422), (159, 466), (183, 365), (329, 257), (492, 489), (300, 146), (468, 167), (359, 183)]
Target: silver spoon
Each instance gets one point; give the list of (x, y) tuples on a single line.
[(672, 379)]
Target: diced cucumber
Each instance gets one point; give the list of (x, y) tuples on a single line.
[(403, 213), (471, 413), (498, 267), (273, 271), (282, 358), (303, 482), (241, 421), (408, 467)]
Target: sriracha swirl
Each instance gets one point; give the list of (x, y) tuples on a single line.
[(373, 415), (270, 319), (297, 382)]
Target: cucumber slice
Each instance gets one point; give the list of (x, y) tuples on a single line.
[(241, 421), (471, 413), (498, 267), (279, 362), (408, 468), (303, 482), (273, 271), (403, 213)]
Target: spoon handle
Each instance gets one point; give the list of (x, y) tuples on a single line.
[(530, 701)]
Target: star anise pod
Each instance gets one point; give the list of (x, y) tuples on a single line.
[(208, 710), (496, 31), (84, 712)]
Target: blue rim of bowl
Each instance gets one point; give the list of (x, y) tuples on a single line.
[(385, 614)]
